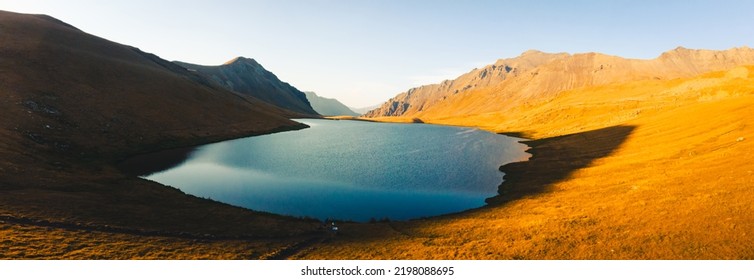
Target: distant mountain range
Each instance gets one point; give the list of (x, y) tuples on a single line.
[(536, 75), (364, 110), (328, 106), (247, 76)]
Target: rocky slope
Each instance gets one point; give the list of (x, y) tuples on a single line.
[(328, 106), (536, 76), (247, 76)]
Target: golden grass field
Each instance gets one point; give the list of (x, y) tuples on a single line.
[(33, 242)]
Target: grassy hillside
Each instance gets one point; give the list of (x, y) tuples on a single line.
[(536, 76), (73, 105), (641, 170)]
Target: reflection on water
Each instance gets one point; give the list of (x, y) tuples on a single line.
[(350, 170)]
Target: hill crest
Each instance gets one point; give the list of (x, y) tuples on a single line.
[(536, 75)]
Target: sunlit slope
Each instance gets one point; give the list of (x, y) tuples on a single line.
[(536, 76), (597, 107), (421, 98), (640, 170)]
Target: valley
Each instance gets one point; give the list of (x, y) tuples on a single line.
[(631, 159)]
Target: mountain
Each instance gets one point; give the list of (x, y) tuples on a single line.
[(328, 106), (364, 110), (536, 75), (247, 76), (72, 105), (71, 92)]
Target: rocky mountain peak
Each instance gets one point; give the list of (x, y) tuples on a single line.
[(241, 60), (532, 52)]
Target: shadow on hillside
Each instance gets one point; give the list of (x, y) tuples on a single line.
[(555, 159), (147, 164)]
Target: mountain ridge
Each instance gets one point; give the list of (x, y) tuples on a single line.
[(536, 75), (328, 106), (246, 76), (364, 110), (241, 59)]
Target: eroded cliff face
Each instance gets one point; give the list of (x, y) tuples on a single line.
[(417, 99), (536, 76)]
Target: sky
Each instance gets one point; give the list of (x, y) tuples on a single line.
[(364, 52)]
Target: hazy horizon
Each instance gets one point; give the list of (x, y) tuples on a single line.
[(364, 52)]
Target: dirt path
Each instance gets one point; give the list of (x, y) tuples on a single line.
[(297, 248)]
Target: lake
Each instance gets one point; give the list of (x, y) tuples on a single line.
[(350, 170)]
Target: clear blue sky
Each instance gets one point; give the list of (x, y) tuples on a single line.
[(364, 52)]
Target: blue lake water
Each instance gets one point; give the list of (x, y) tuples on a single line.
[(350, 170)]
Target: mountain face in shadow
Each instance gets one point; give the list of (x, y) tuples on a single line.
[(536, 76), (78, 94), (248, 77), (328, 106), (72, 104)]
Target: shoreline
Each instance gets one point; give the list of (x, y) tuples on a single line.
[(176, 155), (74, 193), (166, 159), (511, 170)]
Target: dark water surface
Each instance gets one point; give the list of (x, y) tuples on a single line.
[(351, 170)]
